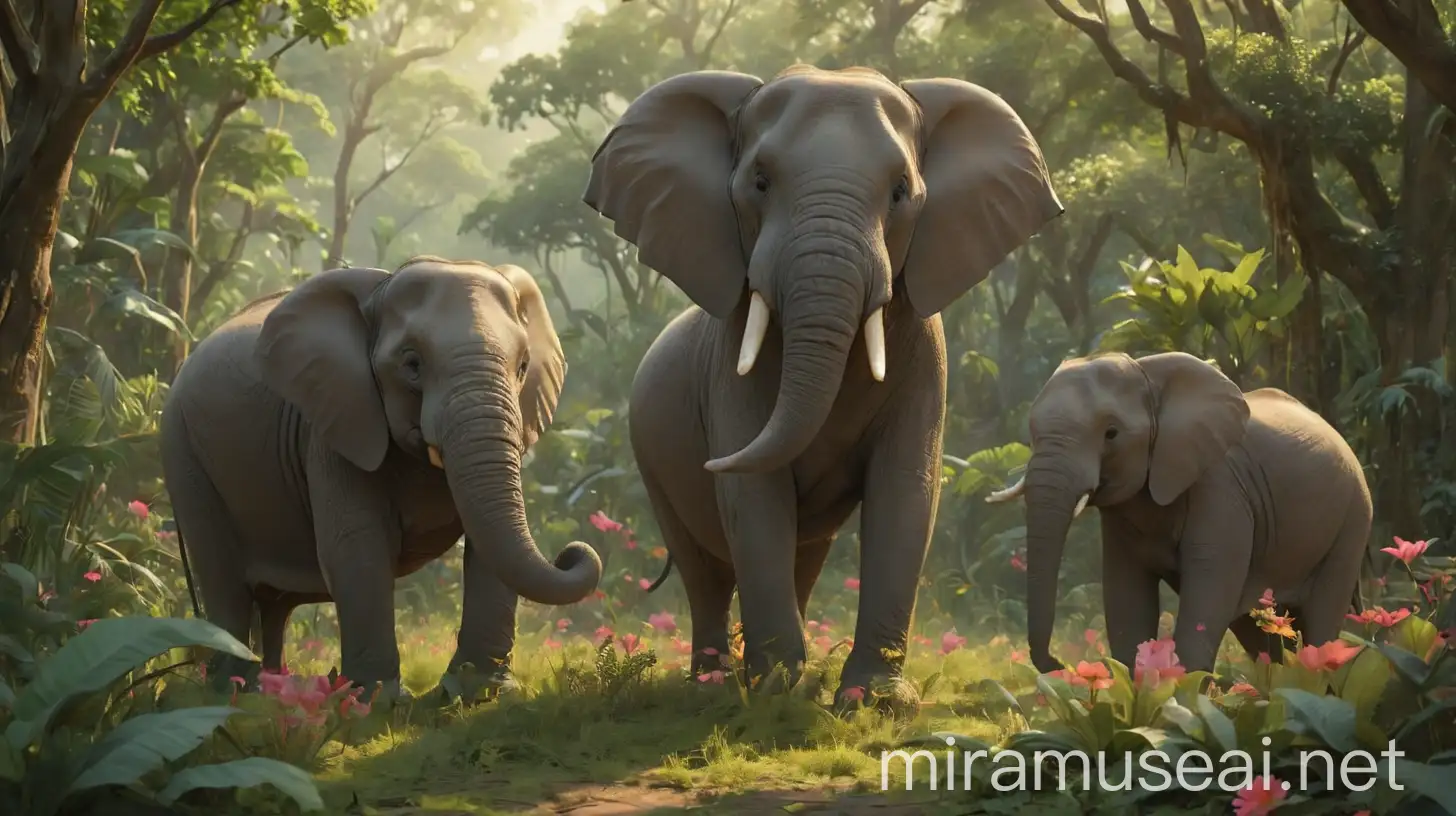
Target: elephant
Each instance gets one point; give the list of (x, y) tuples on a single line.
[(848, 210), (1219, 493), (331, 438)]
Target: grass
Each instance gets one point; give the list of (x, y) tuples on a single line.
[(580, 732)]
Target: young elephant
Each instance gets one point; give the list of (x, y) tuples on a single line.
[(849, 210), (1191, 477), (328, 440)]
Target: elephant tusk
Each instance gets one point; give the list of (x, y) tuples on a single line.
[(874, 332), (1009, 493), (435, 457), (1081, 504), (753, 333)]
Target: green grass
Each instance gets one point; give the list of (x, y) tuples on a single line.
[(660, 738)]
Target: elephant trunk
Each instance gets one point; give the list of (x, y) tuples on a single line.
[(822, 310), (480, 436), (1053, 496)]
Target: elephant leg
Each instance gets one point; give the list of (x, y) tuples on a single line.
[(358, 541), (760, 520), (708, 580), (897, 517), (1217, 543), (1129, 592), (214, 552), (274, 609), (1256, 641), (1335, 580), (487, 632), (808, 563)]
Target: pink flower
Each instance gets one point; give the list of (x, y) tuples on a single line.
[(710, 651), (1017, 656), (1018, 563), (237, 681), (1381, 617), (1267, 600), (1092, 643), (1406, 551), (552, 643), (824, 642), (851, 584), (562, 624), (82, 624), (1262, 659), (600, 521), (1201, 628), (1157, 661), (681, 646), (630, 643), (93, 576), (1328, 657), (631, 543), (921, 640), (1244, 689), (855, 693), (602, 633), (644, 583), (662, 622), (950, 641), (139, 509), (716, 676), (351, 707), (1095, 675), (1259, 798)]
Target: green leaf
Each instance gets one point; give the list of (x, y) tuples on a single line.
[(1219, 725), (1430, 781), (1415, 635), (103, 652), (1247, 266), (1410, 667), (29, 584), (1364, 680), (1329, 718), (1424, 716), (7, 696), (137, 304), (246, 773), (143, 744)]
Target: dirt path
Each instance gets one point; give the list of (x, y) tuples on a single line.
[(629, 800)]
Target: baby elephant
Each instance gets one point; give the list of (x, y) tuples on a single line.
[(1240, 492), (327, 440)]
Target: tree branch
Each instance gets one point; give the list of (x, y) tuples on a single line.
[(1419, 42), (17, 44), (285, 48), (1373, 191), (1351, 44), (166, 42), (426, 133), (728, 13), (1152, 33)]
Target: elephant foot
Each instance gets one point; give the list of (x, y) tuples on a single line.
[(893, 695), (472, 686), (1046, 664)]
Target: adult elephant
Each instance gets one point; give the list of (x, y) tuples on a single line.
[(332, 438), (849, 211), (1221, 494)]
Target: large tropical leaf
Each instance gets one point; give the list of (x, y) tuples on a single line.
[(143, 744), (106, 650), (133, 303), (246, 773)]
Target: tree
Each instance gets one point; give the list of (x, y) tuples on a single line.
[(48, 93), (1412, 31), (418, 104)]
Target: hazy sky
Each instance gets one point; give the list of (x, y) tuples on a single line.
[(549, 24)]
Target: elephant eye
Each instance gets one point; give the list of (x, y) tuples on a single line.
[(901, 191), (760, 183), (522, 369), (1111, 434), (412, 364)]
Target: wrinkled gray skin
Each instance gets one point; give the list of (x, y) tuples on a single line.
[(835, 197), (1220, 494), (297, 446)]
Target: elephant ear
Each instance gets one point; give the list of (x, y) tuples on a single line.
[(313, 351), (1201, 414), (662, 176), (547, 372), (987, 190)]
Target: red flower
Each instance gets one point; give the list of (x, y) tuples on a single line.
[(600, 521), (1259, 798), (851, 584), (1406, 551), (93, 576), (139, 509), (1328, 657)]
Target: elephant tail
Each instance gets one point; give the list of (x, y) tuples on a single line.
[(666, 570), (187, 571)]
